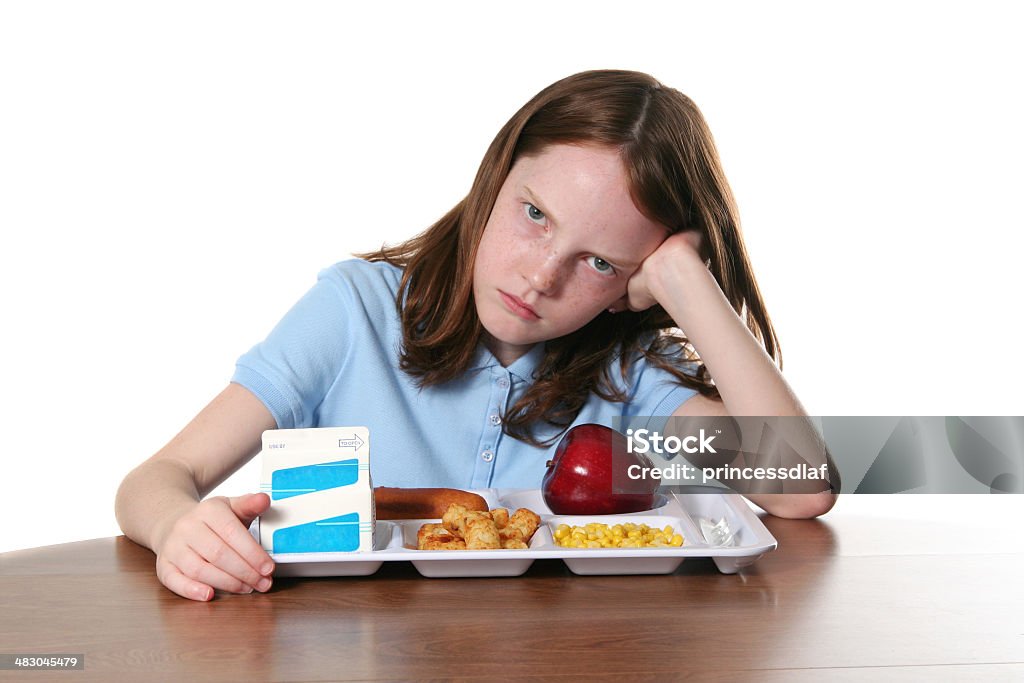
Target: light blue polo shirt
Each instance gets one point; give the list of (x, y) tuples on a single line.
[(333, 361)]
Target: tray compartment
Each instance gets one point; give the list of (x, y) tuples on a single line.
[(338, 564), (600, 561), (751, 539), (445, 564)]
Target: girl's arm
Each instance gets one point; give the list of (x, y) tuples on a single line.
[(204, 545), (789, 505), (747, 379)]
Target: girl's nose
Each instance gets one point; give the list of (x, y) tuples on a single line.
[(546, 275)]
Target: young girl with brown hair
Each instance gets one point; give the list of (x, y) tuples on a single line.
[(595, 270)]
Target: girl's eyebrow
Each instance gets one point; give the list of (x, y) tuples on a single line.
[(540, 205)]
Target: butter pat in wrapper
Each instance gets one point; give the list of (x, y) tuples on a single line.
[(321, 496)]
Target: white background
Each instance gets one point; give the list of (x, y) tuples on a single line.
[(172, 178)]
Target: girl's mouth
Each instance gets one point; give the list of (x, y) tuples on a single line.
[(518, 306)]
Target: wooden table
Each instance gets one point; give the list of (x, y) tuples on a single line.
[(847, 597)]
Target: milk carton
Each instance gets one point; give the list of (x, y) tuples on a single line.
[(321, 497)]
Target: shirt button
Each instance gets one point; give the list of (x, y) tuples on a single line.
[(487, 456), (495, 420), (503, 383)]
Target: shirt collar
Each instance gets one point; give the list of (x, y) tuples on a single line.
[(523, 368)]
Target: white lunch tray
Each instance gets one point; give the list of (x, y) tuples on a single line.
[(396, 541)]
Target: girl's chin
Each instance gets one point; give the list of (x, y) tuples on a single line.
[(506, 353), (507, 340)]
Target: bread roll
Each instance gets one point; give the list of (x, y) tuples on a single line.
[(393, 503)]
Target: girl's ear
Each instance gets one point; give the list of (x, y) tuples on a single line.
[(620, 305)]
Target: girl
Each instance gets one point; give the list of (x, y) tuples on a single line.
[(595, 269)]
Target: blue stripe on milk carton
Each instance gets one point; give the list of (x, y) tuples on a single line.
[(295, 481), (335, 535)]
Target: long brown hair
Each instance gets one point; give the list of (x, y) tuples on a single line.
[(676, 180)]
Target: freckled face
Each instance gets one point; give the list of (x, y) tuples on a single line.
[(559, 247)]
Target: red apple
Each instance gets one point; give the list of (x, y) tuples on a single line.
[(588, 475)]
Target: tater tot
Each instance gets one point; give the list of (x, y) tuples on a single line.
[(436, 537), (500, 517), (526, 521), (431, 531), (453, 517), (481, 534), (453, 544)]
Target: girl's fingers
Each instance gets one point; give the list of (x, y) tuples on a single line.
[(223, 565), (177, 582), (235, 533), (196, 569), (207, 550)]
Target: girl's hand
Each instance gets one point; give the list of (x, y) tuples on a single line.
[(682, 248), (210, 547)]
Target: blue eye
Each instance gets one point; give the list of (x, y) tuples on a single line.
[(533, 213), (600, 265)]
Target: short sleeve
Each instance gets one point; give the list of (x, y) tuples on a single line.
[(294, 367), (655, 393)]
